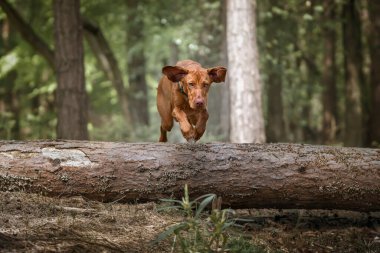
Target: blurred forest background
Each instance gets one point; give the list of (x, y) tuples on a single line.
[(319, 67)]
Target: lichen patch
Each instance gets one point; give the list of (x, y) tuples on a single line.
[(8, 155), (67, 157)]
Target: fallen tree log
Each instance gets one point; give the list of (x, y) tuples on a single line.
[(244, 175)]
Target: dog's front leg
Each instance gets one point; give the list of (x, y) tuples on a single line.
[(200, 126), (186, 128)]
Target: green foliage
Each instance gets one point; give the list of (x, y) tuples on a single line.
[(290, 40), (240, 245), (199, 233), (7, 122), (8, 63)]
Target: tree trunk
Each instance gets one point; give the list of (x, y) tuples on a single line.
[(276, 124), (108, 64), (309, 132), (374, 45), (12, 100), (71, 94), (329, 124), (138, 89), (247, 123), (244, 175), (275, 127), (354, 129), (310, 77)]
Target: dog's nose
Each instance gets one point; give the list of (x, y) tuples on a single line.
[(199, 102)]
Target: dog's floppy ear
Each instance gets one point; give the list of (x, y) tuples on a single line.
[(217, 74), (174, 73)]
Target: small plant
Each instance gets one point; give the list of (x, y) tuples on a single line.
[(240, 245), (195, 234)]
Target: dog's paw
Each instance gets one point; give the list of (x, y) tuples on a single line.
[(191, 141)]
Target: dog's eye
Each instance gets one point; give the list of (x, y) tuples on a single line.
[(191, 85), (205, 85)]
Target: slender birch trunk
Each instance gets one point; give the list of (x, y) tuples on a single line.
[(247, 123)]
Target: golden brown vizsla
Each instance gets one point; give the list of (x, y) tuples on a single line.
[(182, 95)]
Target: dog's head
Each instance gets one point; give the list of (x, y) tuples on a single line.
[(195, 83)]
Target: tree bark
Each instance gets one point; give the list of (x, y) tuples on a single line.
[(329, 117), (247, 123), (136, 66), (354, 129), (71, 94), (108, 64), (244, 175), (374, 45), (276, 123), (310, 77), (311, 74)]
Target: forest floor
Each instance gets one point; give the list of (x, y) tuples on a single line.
[(34, 223)]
